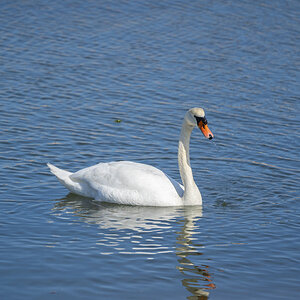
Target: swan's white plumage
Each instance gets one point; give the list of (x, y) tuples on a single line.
[(124, 182), (131, 183)]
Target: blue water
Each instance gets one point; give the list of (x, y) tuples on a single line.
[(70, 69)]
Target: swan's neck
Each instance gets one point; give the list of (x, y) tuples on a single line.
[(191, 192)]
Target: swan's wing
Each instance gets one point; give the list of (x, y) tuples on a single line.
[(129, 183), (178, 187)]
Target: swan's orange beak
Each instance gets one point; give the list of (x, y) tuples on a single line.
[(202, 124)]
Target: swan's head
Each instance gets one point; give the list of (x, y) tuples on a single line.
[(196, 117)]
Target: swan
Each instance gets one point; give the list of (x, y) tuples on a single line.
[(131, 183)]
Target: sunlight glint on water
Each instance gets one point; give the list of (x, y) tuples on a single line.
[(70, 69)]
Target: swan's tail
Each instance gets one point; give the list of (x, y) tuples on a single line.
[(62, 175), (64, 178)]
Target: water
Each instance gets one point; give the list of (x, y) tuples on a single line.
[(70, 69)]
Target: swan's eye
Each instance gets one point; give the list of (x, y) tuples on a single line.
[(201, 120)]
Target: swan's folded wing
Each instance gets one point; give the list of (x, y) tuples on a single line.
[(129, 183), (99, 173), (178, 187)]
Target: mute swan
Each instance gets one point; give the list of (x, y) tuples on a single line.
[(131, 183)]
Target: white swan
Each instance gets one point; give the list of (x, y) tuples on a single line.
[(131, 183)]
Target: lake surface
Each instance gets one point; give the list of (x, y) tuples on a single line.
[(83, 82)]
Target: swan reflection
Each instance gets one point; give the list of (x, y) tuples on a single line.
[(197, 278), (197, 285), (115, 216)]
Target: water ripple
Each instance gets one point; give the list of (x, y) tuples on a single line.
[(70, 69)]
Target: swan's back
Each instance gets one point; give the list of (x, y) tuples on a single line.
[(129, 183)]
